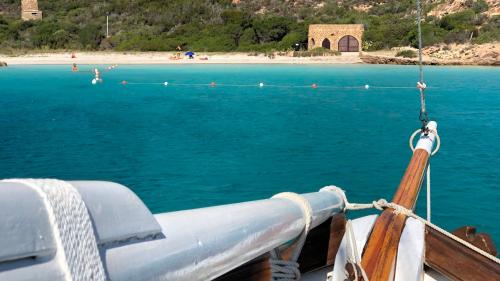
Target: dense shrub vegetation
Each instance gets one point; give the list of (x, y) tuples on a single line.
[(219, 25), (406, 54)]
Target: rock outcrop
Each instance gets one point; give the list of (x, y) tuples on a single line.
[(3, 63), (475, 54), (463, 54)]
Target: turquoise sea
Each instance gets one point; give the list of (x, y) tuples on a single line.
[(188, 145)]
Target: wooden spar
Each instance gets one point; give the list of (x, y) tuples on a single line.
[(380, 251), (465, 264)]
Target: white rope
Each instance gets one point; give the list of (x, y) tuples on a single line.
[(428, 172), (428, 180), (428, 175), (347, 205), (306, 212), (353, 254), (461, 241), (77, 247), (382, 204), (283, 270), (351, 247)]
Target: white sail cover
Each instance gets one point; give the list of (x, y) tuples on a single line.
[(410, 257), (411, 252)]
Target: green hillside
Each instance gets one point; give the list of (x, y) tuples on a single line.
[(219, 25)]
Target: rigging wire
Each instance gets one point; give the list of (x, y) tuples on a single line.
[(424, 116)]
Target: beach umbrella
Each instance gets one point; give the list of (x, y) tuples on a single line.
[(189, 54)]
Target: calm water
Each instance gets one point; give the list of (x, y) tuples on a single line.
[(181, 147)]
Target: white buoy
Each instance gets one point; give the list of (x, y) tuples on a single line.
[(94, 81), (367, 86), (165, 83), (261, 84)]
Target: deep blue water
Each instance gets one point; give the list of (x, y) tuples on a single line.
[(181, 147)]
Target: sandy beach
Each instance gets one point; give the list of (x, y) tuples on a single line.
[(164, 58), (453, 54)]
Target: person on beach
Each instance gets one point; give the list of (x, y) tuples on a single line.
[(179, 50), (74, 68)]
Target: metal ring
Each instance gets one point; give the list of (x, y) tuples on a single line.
[(438, 142)]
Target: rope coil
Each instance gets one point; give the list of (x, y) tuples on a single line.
[(284, 270)]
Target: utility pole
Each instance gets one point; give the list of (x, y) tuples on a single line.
[(107, 25)]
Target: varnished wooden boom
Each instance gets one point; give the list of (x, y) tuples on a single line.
[(380, 251), (408, 189)]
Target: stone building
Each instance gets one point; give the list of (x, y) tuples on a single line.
[(337, 37), (29, 10)]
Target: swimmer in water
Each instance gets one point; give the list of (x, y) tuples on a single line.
[(74, 68), (97, 75)]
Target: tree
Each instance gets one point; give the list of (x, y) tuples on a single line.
[(270, 29), (236, 22), (90, 36)]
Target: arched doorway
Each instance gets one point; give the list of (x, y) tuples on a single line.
[(313, 43), (326, 44), (348, 44)]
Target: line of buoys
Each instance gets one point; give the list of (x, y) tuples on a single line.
[(111, 67), (213, 84)]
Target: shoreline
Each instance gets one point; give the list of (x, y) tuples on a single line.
[(164, 58)]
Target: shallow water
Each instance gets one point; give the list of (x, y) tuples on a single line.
[(181, 146)]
